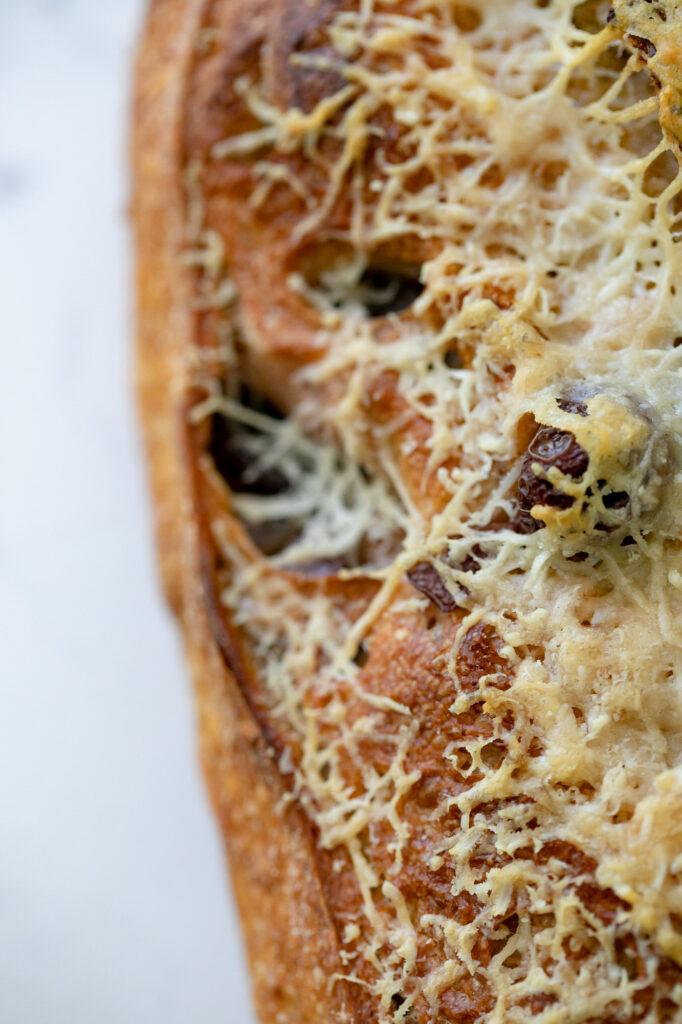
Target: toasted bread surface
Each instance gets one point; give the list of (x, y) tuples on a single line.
[(409, 372)]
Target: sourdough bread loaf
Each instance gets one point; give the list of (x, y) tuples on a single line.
[(409, 319)]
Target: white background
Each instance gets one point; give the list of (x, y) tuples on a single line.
[(114, 908)]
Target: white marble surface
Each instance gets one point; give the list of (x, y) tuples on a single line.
[(114, 907)]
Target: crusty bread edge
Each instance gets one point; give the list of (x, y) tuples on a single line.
[(292, 945)]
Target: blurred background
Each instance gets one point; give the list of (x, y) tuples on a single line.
[(114, 906)]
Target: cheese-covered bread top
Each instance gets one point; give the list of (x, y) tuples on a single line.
[(435, 411)]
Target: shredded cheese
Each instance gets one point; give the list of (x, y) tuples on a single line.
[(547, 206)]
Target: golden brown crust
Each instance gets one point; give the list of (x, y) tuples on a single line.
[(291, 941), (163, 295)]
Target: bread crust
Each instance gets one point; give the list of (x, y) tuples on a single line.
[(291, 942)]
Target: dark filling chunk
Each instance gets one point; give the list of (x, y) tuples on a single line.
[(425, 578), (550, 447), (645, 46), (472, 561), (523, 523), (574, 405)]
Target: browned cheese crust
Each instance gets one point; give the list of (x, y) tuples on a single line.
[(410, 379)]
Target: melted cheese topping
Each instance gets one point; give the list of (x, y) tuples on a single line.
[(547, 199)]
